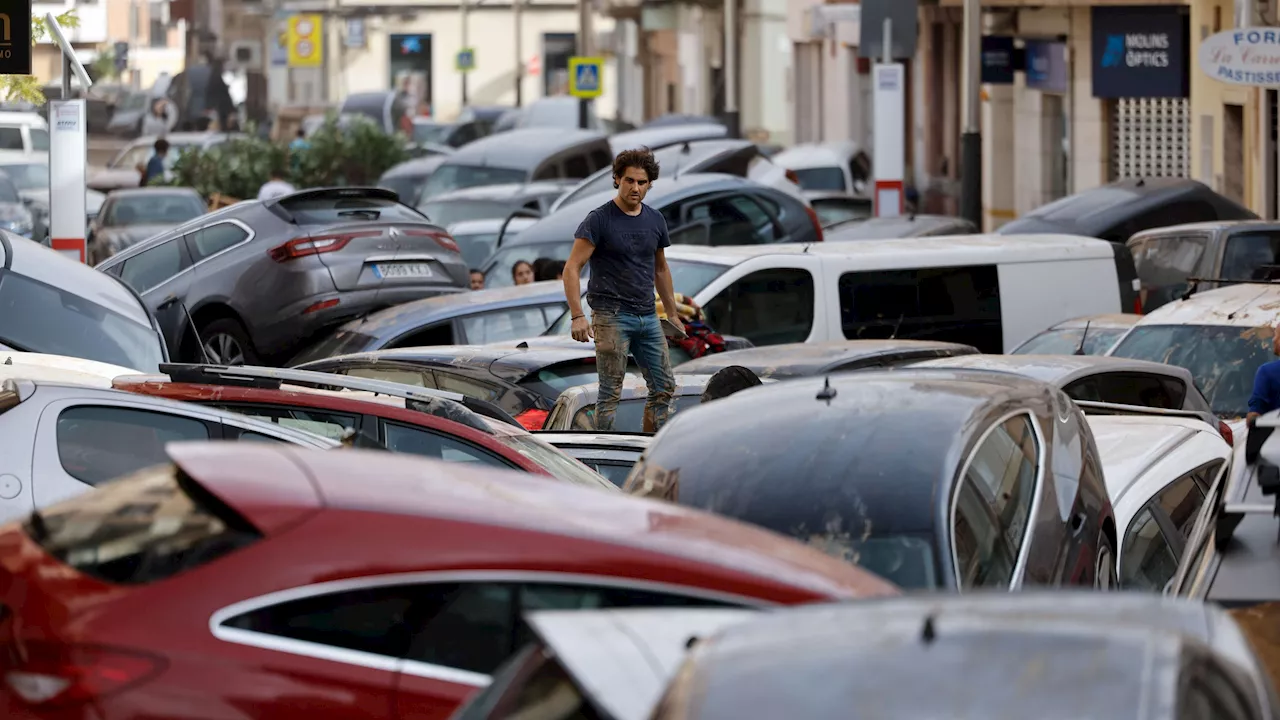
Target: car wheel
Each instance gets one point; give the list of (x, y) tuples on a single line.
[(225, 342), (1104, 575)]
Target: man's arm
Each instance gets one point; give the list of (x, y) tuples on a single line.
[(572, 278)]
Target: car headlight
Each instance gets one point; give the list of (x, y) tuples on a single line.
[(19, 221)]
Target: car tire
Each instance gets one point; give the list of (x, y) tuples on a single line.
[(1104, 576), (226, 342)]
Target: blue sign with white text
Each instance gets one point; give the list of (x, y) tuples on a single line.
[(1141, 52), (1047, 66)]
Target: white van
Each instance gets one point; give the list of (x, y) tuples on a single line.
[(23, 133), (989, 291)]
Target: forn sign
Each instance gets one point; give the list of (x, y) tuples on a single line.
[(15, 40)]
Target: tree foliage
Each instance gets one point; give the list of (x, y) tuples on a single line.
[(356, 153), (26, 88)]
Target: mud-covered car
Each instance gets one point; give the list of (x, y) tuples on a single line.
[(933, 479)]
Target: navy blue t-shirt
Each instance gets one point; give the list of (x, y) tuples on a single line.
[(1266, 388), (623, 259)]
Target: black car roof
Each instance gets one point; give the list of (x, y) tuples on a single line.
[(399, 319), (522, 148), (902, 434), (1093, 212), (560, 225), (511, 364), (802, 359)]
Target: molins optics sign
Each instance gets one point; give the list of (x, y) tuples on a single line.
[(1140, 52), (15, 38)]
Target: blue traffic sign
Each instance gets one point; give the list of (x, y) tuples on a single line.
[(586, 77), (466, 60)]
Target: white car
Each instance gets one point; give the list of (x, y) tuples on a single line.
[(23, 134), (62, 434), (1160, 471), (40, 366), (839, 166)]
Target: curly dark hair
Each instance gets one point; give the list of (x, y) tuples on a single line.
[(639, 158)]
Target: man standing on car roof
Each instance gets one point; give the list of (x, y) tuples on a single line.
[(1266, 383), (625, 241)]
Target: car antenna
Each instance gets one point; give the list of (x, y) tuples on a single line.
[(897, 326), (204, 352), (928, 633), (827, 392), (1083, 336)]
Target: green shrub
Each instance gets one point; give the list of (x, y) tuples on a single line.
[(357, 154)]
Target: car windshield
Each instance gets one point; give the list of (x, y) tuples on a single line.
[(35, 317), (1065, 341), (331, 209), (1223, 359), (430, 132), (823, 178), (341, 342), (500, 264), (687, 277), (477, 247), (28, 176), (154, 209), (447, 212), (555, 462), (455, 177)]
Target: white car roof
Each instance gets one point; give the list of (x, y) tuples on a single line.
[(1234, 305), (624, 659), (803, 157), (59, 368), (1142, 454), (940, 250), (21, 117)]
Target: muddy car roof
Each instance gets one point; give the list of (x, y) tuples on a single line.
[(1058, 369), (802, 359), (512, 364), (1249, 305), (903, 434)]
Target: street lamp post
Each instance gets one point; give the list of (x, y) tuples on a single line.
[(971, 138), (465, 6), (731, 115), (586, 48), (517, 18)]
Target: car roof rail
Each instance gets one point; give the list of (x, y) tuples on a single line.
[(1093, 407), (434, 402)]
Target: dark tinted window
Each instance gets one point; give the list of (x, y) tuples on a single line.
[(576, 167), (1148, 559), (214, 239), (1251, 256), (98, 443), (600, 159), (824, 178), (735, 220), (154, 267), (550, 171), (951, 304), (1154, 391), (420, 441), (768, 307), (374, 620), (438, 334), (147, 527), (327, 210), (1164, 263), (11, 138), (35, 317)]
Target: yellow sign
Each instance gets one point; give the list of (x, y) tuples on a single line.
[(306, 41), (585, 79)]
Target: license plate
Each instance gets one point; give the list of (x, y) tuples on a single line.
[(402, 270)]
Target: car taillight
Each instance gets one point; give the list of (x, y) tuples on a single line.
[(442, 238), (1137, 306), (55, 674), (532, 419), (817, 224), (304, 246), (1225, 431)]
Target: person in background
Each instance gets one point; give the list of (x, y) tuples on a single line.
[(1266, 383), (522, 272), (156, 123), (477, 279), (155, 166), (299, 144), (548, 269), (276, 187), (728, 381)]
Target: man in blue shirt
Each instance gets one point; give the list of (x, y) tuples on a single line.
[(625, 242), (1266, 383)]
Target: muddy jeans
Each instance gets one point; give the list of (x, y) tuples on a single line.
[(617, 335)]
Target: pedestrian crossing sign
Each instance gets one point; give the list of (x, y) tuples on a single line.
[(585, 79), (466, 60)]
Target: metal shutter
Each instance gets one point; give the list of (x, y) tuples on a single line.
[(1150, 137)]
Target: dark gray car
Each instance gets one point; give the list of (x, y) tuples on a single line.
[(52, 304), (132, 215), (700, 209), (258, 280), (521, 156)]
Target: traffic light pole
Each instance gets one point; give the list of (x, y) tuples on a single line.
[(586, 48), (971, 138)]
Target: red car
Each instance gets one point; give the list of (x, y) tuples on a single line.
[(400, 418), (262, 581)]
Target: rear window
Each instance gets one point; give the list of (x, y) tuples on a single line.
[(827, 178), (143, 528), (1164, 264), (1251, 256), (1065, 341), (325, 210), (1222, 359), (555, 462), (500, 265)]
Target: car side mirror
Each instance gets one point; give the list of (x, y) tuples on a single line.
[(697, 232)]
